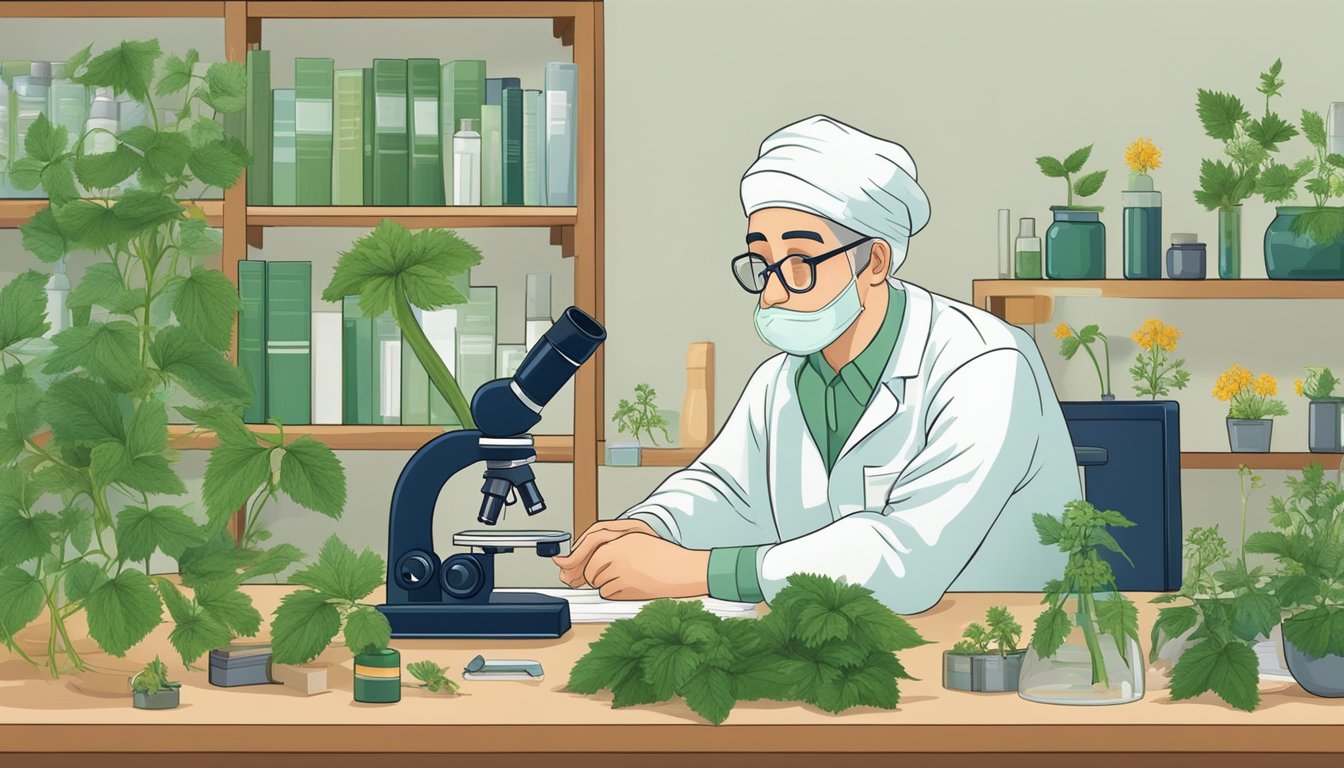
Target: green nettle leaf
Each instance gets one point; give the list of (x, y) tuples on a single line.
[(1313, 127), (391, 261), (227, 605), (127, 68), (140, 531), (1049, 529), (218, 560), (708, 691), (205, 304), (141, 210), (304, 625), (1051, 167), (75, 61), (227, 84), (1277, 183), (1271, 131), (612, 662), (1089, 184), (225, 423), (77, 523), (1218, 185), (110, 351), (165, 152), (26, 173), (42, 236), (81, 410), (91, 225), (1119, 618), (1220, 113), (58, 181), (232, 474), (195, 631), (1052, 628), (203, 130), (366, 628), (1171, 623), (274, 560), (1229, 669), (1254, 615), (177, 73), (342, 574), (197, 241), (81, 578), (113, 463), (23, 309), (102, 285), (1322, 225), (202, 370), (313, 477), (122, 611), (107, 169), (45, 141), (1077, 159), (1317, 632), (21, 600), (217, 163), (26, 537)]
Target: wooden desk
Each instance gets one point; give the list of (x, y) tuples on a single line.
[(42, 722)]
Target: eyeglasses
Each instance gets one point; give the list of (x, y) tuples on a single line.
[(797, 273)]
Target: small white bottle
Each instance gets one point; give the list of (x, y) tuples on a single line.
[(538, 307), (58, 295), (103, 121), (466, 165)]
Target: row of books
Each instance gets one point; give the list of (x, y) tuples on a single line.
[(410, 132), (350, 368)]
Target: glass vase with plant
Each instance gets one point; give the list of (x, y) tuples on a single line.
[(1306, 242), (1251, 408), (1247, 143), (634, 418), (1227, 607), (1156, 371), (1325, 412), (1142, 213), (1075, 243), (88, 490), (1308, 544), (1071, 340), (1085, 645)]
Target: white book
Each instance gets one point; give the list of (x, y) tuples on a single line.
[(389, 406), (587, 606), (562, 84), (440, 327), (327, 370)]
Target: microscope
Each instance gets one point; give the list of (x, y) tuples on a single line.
[(431, 597)]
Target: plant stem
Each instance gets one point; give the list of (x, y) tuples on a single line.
[(1107, 345), (1087, 621), (1088, 349), (438, 372)]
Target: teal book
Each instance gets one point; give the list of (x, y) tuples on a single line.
[(368, 135), (391, 161), (512, 142), (534, 149), (258, 127), (562, 85), (492, 155), (463, 94), (289, 335), (386, 370), (347, 162), (494, 88), (477, 323), (426, 143), (282, 147), (414, 383), (312, 130), (356, 363), (252, 335)]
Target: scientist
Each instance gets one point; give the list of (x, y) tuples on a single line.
[(901, 441)]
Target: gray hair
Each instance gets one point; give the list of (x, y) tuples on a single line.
[(846, 235)]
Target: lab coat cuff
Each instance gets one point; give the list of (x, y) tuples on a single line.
[(732, 574)]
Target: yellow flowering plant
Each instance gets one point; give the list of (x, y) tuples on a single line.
[(1072, 339), (1249, 396), (1143, 156), (1319, 384), (1156, 371)]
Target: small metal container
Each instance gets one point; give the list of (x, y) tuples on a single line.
[(378, 676), (1187, 259)]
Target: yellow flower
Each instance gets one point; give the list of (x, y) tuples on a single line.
[(1234, 380), (1297, 386), (1062, 331), (1266, 386), (1155, 333), (1143, 156)]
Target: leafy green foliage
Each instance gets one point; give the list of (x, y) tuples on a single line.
[(1084, 186), (153, 678), (641, 415), (1073, 339), (308, 620), (1002, 633), (824, 642), (1228, 667), (122, 611), (1319, 384), (23, 307), (1247, 142), (434, 677)]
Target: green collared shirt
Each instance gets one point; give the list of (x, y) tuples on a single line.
[(832, 403)]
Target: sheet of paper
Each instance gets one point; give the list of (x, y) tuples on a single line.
[(587, 606)]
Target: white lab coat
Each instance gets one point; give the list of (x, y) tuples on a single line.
[(962, 441)]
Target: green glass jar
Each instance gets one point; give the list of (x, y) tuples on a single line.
[(1229, 243), (1290, 256), (1142, 219), (378, 676), (1075, 246)]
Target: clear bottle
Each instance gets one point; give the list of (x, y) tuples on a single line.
[(466, 165), (538, 307), (1028, 251), (58, 295), (68, 106), (28, 100)]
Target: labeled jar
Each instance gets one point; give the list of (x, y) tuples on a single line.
[(378, 676), (1186, 258)]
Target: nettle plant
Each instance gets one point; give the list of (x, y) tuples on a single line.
[(999, 634), (1247, 141), (642, 415), (88, 490)]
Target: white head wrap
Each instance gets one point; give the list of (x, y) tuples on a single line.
[(829, 169)]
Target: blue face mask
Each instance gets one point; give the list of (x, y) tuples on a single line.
[(802, 333)]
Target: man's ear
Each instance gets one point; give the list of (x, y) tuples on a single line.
[(879, 263)]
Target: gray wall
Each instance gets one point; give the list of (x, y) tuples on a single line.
[(974, 90)]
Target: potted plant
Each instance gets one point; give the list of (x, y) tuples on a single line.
[(1324, 411), (1247, 142), (1085, 645), (1207, 643), (1307, 544), (641, 416), (151, 688), (1155, 371), (85, 423), (1142, 213), (1306, 242), (1075, 243), (1071, 340), (1251, 406), (973, 665)]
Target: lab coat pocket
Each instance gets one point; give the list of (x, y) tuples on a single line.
[(877, 485)]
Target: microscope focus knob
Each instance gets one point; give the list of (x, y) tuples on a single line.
[(463, 577), (415, 569)]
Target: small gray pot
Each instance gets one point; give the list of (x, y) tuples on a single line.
[(168, 698), (1250, 435), (623, 454), (1322, 677), (1323, 419), (983, 672)]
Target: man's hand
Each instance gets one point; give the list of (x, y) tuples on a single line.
[(638, 566), (603, 532)]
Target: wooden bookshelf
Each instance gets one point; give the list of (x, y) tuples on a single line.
[(15, 213), (1278, 460), (360, 437), (439, 216), (102, 9), (389, 9)]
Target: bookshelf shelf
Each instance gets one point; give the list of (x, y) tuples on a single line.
[(1284, 460), (362, 437), (14, 213), (438, 216), (163, 9), (414, 10)]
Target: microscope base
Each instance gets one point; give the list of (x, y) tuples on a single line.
[(509, 615)]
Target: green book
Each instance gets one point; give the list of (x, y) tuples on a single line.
[(258, 127), (477, 322), (426, 143), (534, 149), (282, 147), (391, 163), (463, 94), (356, 363), (347, 163), (312, 130), (252, 335), (289, 334), (512, 136), (367, 129), (492, 155), (414, 382), (386, 370)]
